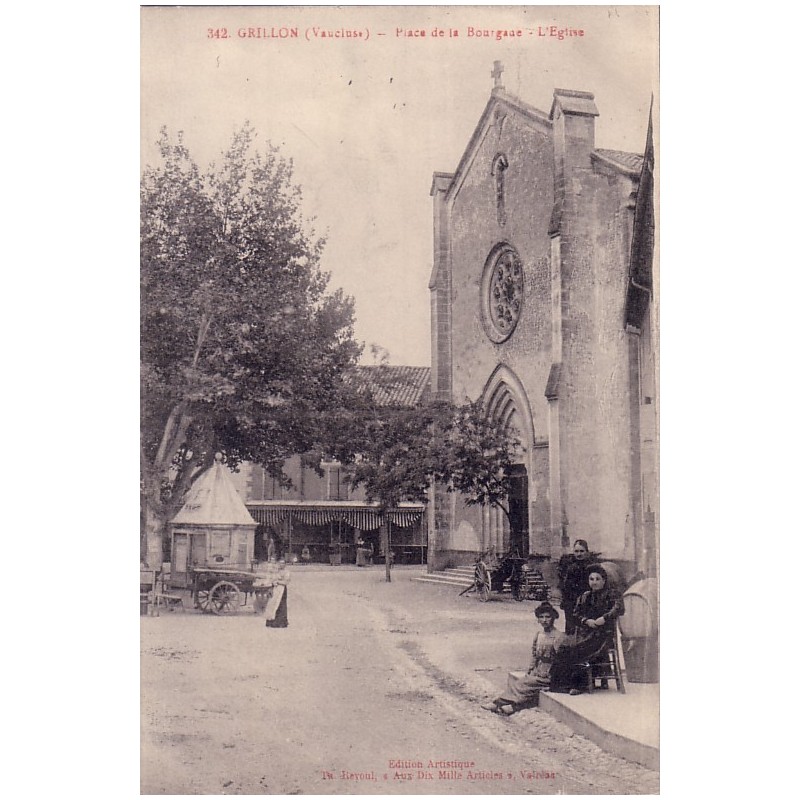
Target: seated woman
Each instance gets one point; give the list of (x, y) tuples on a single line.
[(596, 613), (525, 688)]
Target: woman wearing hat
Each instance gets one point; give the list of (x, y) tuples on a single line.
[(525, 687), (596, 614)]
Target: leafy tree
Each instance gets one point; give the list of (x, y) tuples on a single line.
[(397, 454), (241, 343), (479, 456)]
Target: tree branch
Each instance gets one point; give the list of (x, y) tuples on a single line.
[(205, 324), (187, 474), (178, 421), (174, 431)]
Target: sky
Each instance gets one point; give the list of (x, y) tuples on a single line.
[(368, 119)]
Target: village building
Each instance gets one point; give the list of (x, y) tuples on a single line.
[(542, 306), (319, 517), (212, 529)]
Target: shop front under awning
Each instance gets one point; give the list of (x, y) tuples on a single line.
[(359, 515)]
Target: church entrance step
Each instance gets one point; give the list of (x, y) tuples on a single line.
[(453, 576)]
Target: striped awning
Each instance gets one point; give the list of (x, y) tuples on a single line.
[(363, 518)]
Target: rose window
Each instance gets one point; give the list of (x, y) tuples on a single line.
[(502, 294)]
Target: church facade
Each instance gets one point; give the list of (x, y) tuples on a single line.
[(542, 306)]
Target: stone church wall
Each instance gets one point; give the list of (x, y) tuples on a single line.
[(567, 211), (596, 405), (474, 232)]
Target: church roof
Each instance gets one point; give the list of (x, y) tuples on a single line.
[(629, 163), (392, 386), (213, 500)]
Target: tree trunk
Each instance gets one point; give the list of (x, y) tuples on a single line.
[(386, 544), (156, 513), (154, 528)]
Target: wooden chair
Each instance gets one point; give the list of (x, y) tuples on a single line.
[(605, 669), (147, 589), (161, 598)]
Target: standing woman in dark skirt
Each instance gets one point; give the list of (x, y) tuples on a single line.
[(574, 582), (277, 611), (596, 613)]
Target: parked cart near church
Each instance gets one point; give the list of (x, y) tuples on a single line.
[(509, 573)]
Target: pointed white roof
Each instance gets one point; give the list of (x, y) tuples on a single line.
[(213, 500)]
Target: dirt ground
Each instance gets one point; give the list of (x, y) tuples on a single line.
[(359, 695)]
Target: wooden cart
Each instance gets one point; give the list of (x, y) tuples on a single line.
[(220, 590), (511, 573)]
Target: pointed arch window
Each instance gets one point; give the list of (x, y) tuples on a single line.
[(499, 167)]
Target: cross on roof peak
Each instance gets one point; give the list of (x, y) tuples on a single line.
[(497, 74)]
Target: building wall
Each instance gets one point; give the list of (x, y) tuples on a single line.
[(409, 544), (253, 483), (475, 231), (569, 217), (594, 394)]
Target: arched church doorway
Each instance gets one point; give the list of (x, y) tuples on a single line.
[(518, 510), (507, 402)]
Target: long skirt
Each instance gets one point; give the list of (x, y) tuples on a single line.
[(362, 557), (277, 610), (570, 620), (569, 670), (522, 689)]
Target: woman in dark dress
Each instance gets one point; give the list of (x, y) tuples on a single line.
[(279, 617), (596, 614), (277, 611), (574, 582), (362, 553)]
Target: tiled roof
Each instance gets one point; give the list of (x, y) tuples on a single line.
[(392, 386), (629, 162), (213, 500)]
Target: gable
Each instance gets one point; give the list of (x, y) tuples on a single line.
[(500, 107)]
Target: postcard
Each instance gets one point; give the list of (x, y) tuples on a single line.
[(452, 207)]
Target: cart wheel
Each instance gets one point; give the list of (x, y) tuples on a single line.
[(483, 582), (201, 600), (224, 598)]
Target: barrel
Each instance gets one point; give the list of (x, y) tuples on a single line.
[(638, 627), (614, 573), (640, 601)]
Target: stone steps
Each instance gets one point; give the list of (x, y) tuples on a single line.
[(453, 576)]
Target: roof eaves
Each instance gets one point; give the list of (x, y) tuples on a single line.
[(606, 158)]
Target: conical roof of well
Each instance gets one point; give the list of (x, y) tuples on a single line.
[(213, 500)]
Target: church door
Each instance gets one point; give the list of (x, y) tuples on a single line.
[(518, 510)]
